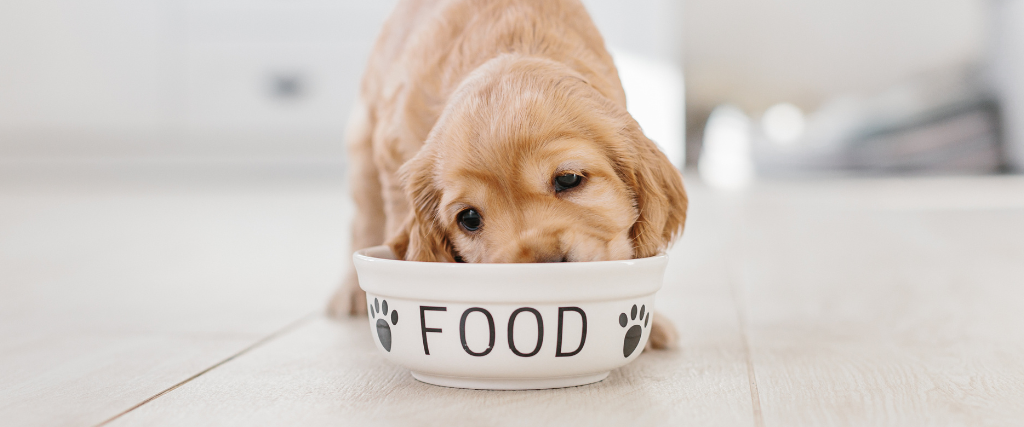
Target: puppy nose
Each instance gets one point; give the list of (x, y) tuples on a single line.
[(533, 255), (534, 246), (543, 255)]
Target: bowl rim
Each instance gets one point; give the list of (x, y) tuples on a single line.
[(380, 274)]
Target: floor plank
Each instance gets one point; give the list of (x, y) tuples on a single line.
[(875, 311), (85, 379)]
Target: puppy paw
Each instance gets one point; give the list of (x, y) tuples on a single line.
[(348, 300), (663, 334)]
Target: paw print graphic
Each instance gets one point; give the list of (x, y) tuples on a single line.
[(634, 332), (383, 326)]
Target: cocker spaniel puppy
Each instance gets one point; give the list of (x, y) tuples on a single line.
[(496, 131)]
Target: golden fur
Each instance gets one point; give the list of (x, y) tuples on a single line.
[(480, 104)]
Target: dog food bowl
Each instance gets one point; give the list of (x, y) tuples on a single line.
[(509, 326)]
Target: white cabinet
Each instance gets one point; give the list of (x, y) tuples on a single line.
[(243, 78), (275, 65), (99, 64), (182, 77)]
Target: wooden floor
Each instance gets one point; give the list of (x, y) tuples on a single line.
[(148, 296)]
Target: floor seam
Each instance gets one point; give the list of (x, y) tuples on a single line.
[(287, 328), (755, 396)]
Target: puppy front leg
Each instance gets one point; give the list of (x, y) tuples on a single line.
[(663, 333), (368, 223)]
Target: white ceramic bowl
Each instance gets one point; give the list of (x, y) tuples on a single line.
[(570, 323)]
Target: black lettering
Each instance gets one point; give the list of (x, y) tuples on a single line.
[(583, 336), (540, 332), (423, 325), (462, 331)]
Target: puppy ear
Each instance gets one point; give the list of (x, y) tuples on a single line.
[(421, 237), (660, 197)]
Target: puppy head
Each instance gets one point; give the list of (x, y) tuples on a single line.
[(529, 163)]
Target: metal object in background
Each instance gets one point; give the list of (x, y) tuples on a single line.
[(961, 139), (943, 122)]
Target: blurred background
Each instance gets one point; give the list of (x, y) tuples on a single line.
[(735, 89)]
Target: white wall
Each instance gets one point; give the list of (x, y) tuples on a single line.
[(649, 28), (755, 53)]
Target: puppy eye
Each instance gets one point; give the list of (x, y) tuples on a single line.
[(470, 219), (567, 181)]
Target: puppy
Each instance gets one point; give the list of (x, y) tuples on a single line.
[(496, 131)]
